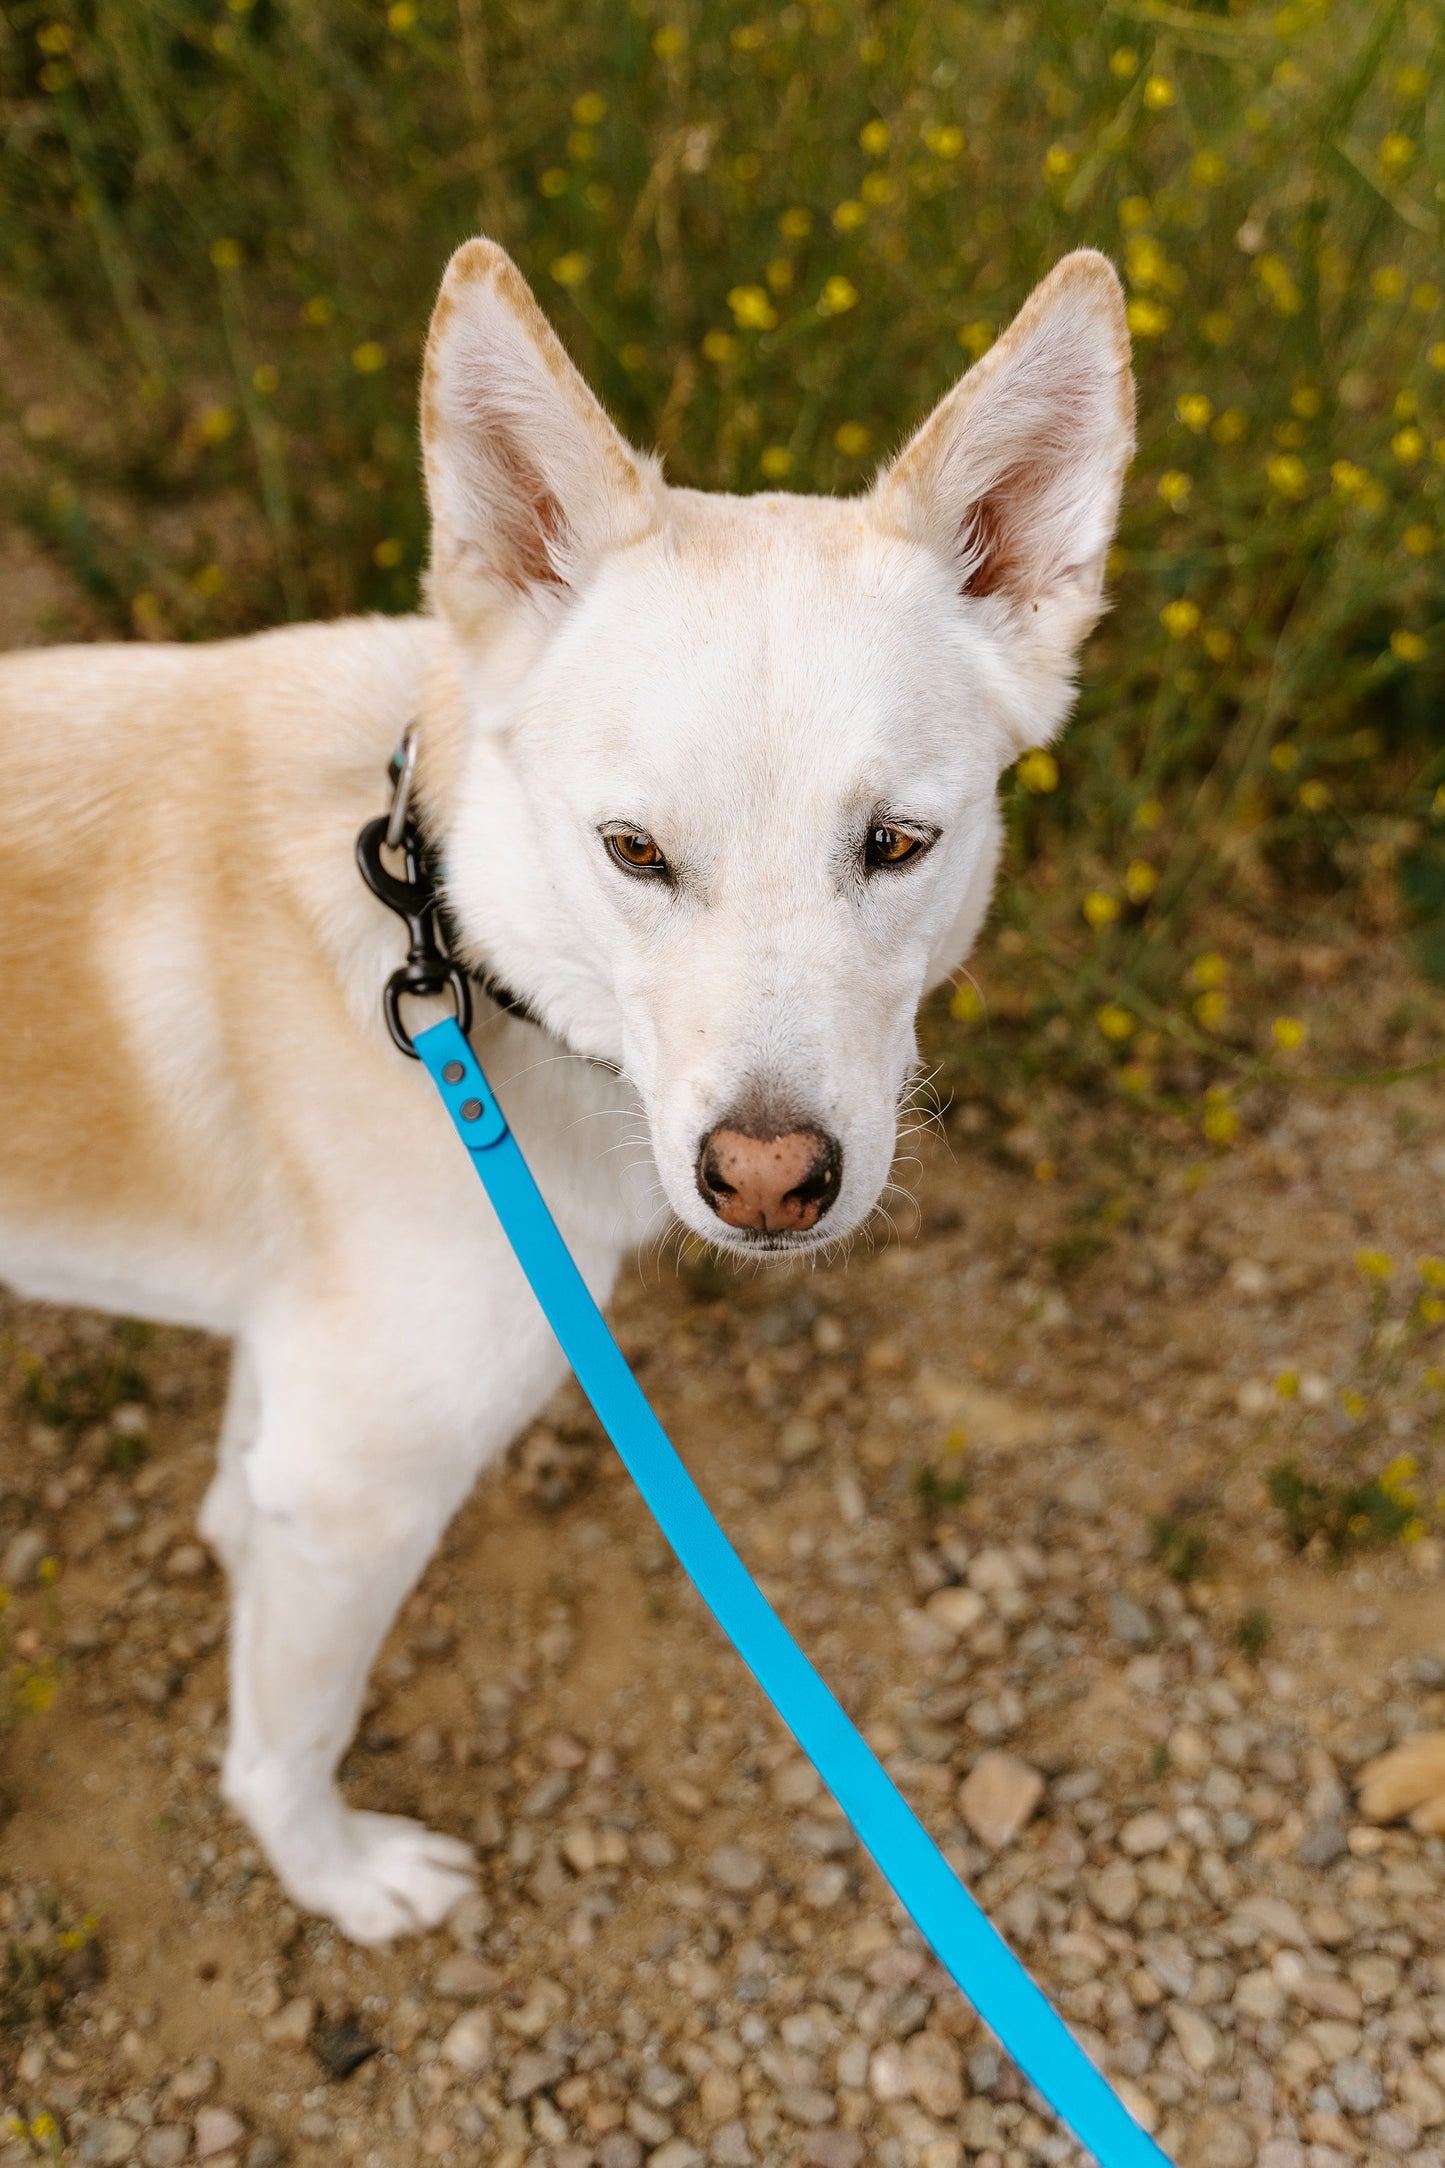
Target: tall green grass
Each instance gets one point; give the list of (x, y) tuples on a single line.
[(771, 237)]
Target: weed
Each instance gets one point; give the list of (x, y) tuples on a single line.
[(1251, 1635), (1180, 1551), (1342, 1516)]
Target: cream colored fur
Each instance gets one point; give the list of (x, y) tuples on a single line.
[(202, 1117)]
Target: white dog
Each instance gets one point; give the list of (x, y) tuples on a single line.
[(711, 785)]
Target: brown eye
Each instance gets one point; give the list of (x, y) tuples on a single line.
[(889, 846), (635, 850)]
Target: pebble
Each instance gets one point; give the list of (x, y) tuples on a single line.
[(291, 2026), (998, 1798), (1357, 2086), (833, 2149), (470, 2042), (1198, 2041), (165, 2145), (194, 2080), (1129, 1622), (217, 2130), (21, 1558), (1146, 1833), (108, 2141), (464, 1976), (737, 1870)]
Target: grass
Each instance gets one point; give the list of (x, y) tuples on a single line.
[(772, 236)]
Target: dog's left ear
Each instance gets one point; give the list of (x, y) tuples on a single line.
[(529, 482), (1014, 479)]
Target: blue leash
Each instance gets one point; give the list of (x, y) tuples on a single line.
[(968, 1946)]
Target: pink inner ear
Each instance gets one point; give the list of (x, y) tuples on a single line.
[(529, 524)]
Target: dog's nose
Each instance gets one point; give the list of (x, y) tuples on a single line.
[(770, 1183)]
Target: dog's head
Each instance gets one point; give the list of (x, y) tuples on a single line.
[(728, 803)]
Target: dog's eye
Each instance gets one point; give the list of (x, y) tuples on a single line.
[(890, 846), (635, 851)]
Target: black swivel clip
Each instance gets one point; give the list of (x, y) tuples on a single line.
[(428, 969)]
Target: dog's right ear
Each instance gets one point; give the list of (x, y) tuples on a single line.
[(529, 483)]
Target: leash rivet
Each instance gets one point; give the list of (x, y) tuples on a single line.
[(472, 1110), (454, 1072)]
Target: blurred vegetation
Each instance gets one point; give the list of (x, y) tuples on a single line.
[(772, 236)]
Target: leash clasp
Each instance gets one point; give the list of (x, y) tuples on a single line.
[(428, 969)]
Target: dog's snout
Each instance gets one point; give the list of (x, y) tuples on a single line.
[(770, 1185)]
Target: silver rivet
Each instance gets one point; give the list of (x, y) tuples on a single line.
[(472, 1110), (454, 1072)]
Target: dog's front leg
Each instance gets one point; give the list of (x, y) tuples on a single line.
[(344, 1507)]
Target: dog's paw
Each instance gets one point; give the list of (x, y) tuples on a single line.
[(1409, 1780), (386, 1876)]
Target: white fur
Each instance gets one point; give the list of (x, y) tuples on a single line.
[(752, 681)]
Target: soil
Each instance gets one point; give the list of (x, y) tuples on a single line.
[(1093, 1360)]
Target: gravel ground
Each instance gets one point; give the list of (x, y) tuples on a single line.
[(677, 1953)]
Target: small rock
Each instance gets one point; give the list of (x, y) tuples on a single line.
[(1322, 1844), (194, 2080), (619, 2149), (1260, 1996), (956, 1610), (188, 1562), (1198, 2041), (1217, 2140), (796, 1784), (469, 1919), (340, 2046), (998, 1797), (730, 2148), (737, 1870), (534, 2072), (887, 2073), (464, 1977), (22, 1557), (1357, 2087), (108, 2141), (217, 2130), (1115, 1891), (165, 2145), (933, 2068), (1144, 1833), (291, 2026), (833, 2149), (266, 2150), (470, 2042), (1129, 1622)]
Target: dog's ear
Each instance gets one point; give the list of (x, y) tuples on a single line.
[(529, 482), (1014, 478)]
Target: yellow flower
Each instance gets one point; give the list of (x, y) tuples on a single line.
[(265, 377), (1432, 1310), (1135, 211), (853, 439), (1180, 618), (1158, 93), (1375, 1264), (776, 462), (589, 109), (1221, 1122), (1135, 1076), (55, 38), (1314, 795), (1426, 297), (1287, 1385), (1232, 426), (669, 41), (1419, 539), (1288, 474), (1395, 1478), (838, 296), (1396, 151), (1059, 162), (44, 2125), (1388, 282), (1100, 908), (1218, 643), (877, 188), (554, 181), (1148, 813), (966, 1006), (1123, 61), (1305, 401), (849, 215), (1408, 446), (795, 224), (1348, 479), (1432, 1271), (779, 274), (1408, 646), (1045, 1170), (719, 346), (1140, 880), (210, 581), (1147, 319), (874, 138), (1208, 170), (318, 310), (216, 424), (1210, 969), (1212, 1010), (977, 336), (749, 37), (572, 268), (1218, 327), (370, 356), (1038, 771), (401, 16), (945, 143), (48, 1571), (1116, 1023), (1289, 1033), (1174, 488), (226, 255), (1194, 410), (388, 553), (752, 308)]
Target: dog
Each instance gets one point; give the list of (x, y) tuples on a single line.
[(710, 785)]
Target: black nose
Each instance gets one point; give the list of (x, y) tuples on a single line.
[(769, 1184)]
